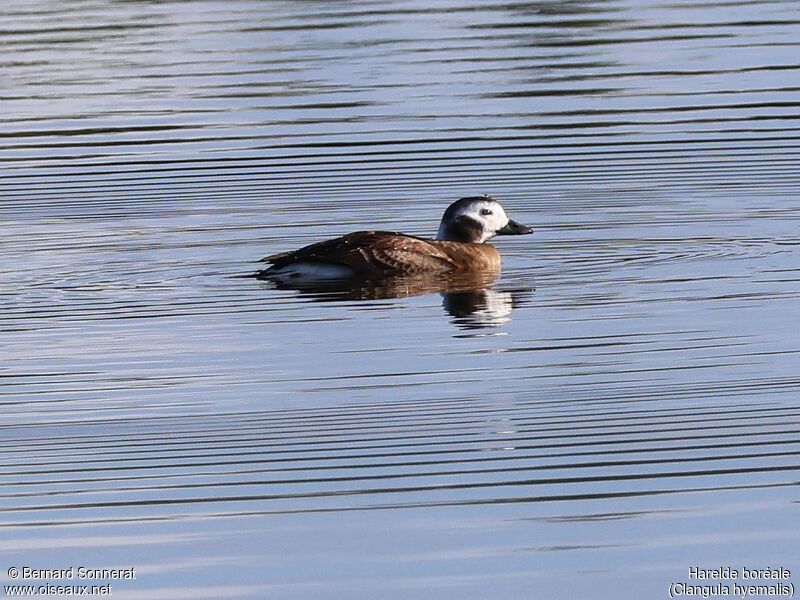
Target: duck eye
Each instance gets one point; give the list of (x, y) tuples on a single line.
[(486, 211)]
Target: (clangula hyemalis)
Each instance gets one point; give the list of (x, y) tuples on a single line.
[(460, 246)]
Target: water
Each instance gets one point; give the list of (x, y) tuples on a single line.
[(621, 405)]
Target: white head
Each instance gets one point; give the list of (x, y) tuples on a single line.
[(476, 219)]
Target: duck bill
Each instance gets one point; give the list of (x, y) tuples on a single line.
[(514, 228)]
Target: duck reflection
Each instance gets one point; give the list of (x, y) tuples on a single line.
[(479, 309), (471, 299)]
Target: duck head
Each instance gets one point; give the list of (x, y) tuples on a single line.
[(477, 219)]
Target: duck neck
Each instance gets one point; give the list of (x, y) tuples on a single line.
[(462, 229)]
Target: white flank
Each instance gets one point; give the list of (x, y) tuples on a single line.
[(312, 271)]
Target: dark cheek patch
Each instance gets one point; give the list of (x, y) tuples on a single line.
[(468, 229)]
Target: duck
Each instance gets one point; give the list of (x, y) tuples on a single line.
[(460, 246)]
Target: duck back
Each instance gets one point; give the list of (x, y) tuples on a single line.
[(382, 252)]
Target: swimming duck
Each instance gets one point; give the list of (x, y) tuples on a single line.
[(460, 246)]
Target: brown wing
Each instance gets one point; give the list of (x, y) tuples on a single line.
[(371, 252)]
